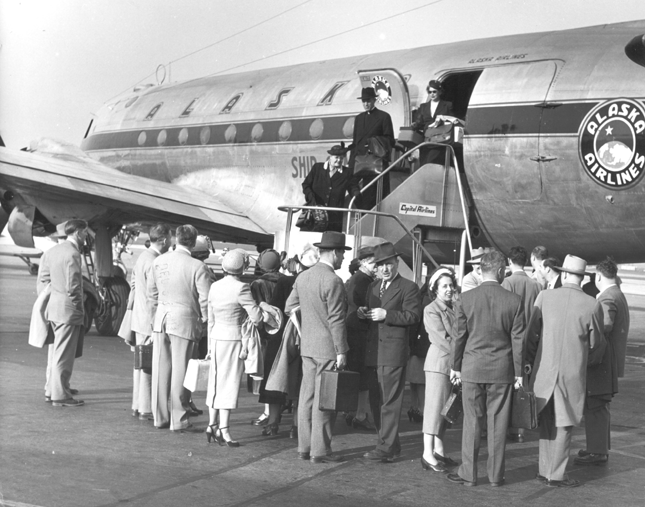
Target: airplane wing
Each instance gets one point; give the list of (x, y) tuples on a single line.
[(65, 183)]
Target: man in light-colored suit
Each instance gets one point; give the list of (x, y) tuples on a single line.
[(178, 295), (564, 335), (61, 267), (486, 355), (602, 379), (320, 294), (160, 241), (474, 278), (394, 310)]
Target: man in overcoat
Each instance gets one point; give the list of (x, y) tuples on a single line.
[(565, 334), (320, 294), (141, 325), (602, 379), (486, 358), (61, 267), (394, 310), (178, 295)]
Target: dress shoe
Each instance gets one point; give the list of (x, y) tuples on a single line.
[(146, 416), (191, 428), (446, 460), (293, 432), (69, 402), (439, 467), (193, 408), (592, 459), (48, 399), (192, 413), (583, 452), (567, 483), (135, 412), (163, 426), (540, 478), (304, 455), (457, 479), (73, 391), (329, 458), (497, 484), (378, 455)]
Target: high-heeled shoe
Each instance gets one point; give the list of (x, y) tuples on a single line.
[(270, 429), (262, 420), (213, 434), (410, 414), (293, 432), (223, 441), (439, 467), (415, 415), (287, 407)]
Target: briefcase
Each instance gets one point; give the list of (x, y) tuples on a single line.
[(524, 409), (440, 134), (339, 391), (143, 357), (196, 378), (454, 406)]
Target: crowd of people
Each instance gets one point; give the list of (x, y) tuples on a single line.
[(503, 329)]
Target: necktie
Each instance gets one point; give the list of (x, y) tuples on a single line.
[(383, 287)]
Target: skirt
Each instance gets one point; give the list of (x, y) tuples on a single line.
[(438, 388), (414, 372), (225, 375)]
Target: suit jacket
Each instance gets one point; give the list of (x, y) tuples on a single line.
[(469, 282), (524, 286), (178, 295), (487, 348), (320, 294), (388, 340), (61, 267), (370, 124), (439, 320), (616, 323), (563, 335), (141, 318), (425, 116), (229, 303)]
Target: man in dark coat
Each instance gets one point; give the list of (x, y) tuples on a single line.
[(371, 123), (393, 310), (602, 379), (327, 183)]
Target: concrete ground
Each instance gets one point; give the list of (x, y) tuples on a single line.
[(99, 455)]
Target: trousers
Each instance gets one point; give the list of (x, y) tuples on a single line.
[(554, 445), (60, 360), (387, 385), (597, 425), (141, 384)]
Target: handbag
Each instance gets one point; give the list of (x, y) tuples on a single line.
[(312, 220), (339, 391), (524, 409), (454, 406), (196, 378), (143, 357)]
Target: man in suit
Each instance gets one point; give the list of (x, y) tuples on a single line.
[(474, 278), (550, 273), (564, 335), (320, 294), (538, 255), (394, 310), (486, 356), (602, 379), (61, 267), (371, 123), (178, 296), (141, 325)]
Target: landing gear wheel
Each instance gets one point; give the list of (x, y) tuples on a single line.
[(112, 309)]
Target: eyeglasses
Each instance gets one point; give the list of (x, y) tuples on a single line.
[(433, 92)]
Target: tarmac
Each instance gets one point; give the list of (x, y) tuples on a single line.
[(99, 455)]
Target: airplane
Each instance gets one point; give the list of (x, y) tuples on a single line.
[(553, 152)]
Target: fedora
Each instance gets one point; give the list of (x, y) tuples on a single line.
[(384, 251), (332, 240), (367, 93), (338, 150), (574, 265), (364, 252), (476, 256)]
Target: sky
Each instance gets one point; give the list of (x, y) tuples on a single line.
[(61, 60)]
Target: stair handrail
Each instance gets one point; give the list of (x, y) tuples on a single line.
[(291, 208)]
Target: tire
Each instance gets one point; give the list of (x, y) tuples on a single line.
[(112, 310)]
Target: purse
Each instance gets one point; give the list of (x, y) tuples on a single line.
[(143, 357), (312, 220), (454, 406), (196, 378), (524, 409), (339, 391)]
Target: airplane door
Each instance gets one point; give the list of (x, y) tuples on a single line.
[(501, 149), (392, 94)]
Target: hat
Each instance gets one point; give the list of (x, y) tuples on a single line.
[(476, 256), (309, 256), (233, 262), (201, 244), (364, 252), (338, 150), (367, 93), (331, 240), (384, 251), (60, 231), (435, 84), (269, 260), (574, 265)]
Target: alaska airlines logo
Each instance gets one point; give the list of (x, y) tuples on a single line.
[(612, 143), (382, 89)]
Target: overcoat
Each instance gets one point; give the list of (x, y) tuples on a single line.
[(616, 323), (388, 341), (439, 321), (425, 116), (229, 303), (61, 266), (565, 334)]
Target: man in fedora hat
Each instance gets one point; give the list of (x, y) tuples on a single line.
[(327, 183), (393, 309), (320, 294), (474, 278), (372, 122), (564, 335)]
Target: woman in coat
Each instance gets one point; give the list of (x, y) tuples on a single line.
[(439, 320), (229, 304)]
